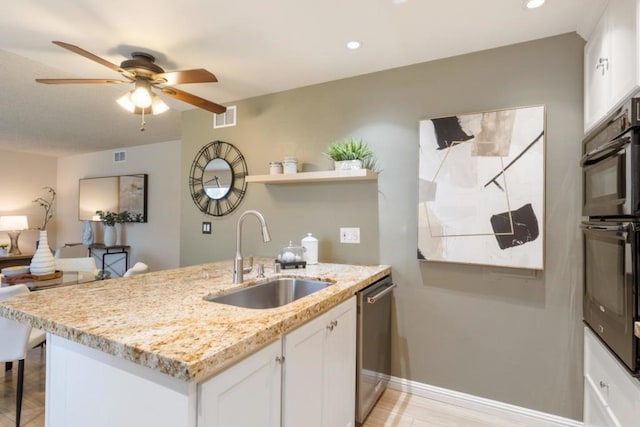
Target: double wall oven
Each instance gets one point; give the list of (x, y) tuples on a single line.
[(611, 205)]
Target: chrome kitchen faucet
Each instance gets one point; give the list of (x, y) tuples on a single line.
[(238, 269)]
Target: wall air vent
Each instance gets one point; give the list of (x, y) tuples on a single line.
[(119, 156), (225, 119)]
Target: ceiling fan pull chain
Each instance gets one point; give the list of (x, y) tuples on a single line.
[(142, 123)]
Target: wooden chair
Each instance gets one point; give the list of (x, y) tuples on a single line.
[(15, 340)]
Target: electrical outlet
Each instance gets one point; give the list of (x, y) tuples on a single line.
[(349, 234), (206, 228)]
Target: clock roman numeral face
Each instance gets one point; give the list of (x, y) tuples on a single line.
[(217, 179)]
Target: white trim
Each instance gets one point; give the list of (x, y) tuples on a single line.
[(506, 411)]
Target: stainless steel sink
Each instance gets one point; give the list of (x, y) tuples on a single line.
[(272, 293)]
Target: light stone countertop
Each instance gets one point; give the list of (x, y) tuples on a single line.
[(160, 320), (637, 324)]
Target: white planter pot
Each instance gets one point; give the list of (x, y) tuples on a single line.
[(109, 235), (344, 165)]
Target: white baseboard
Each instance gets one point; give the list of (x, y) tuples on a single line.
[(493, 407)]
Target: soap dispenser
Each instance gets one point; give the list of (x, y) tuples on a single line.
[(310, 244)]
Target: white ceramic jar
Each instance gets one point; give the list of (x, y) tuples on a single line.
[(290, 165), (310, 244), (275, 168)]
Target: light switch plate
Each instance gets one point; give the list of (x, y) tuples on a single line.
[(349, 234), (206, 228)]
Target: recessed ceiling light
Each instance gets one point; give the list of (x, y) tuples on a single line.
[(353, 44), (398, 1), (532, 4)]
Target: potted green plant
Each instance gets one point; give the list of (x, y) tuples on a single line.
[(110, 219), (3, 249), (351, 154)]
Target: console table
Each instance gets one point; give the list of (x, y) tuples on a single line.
[(114, 259), (12, 260)]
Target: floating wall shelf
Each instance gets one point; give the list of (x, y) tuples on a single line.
[(321, 176)]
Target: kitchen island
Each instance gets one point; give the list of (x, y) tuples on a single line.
[(157, 330)]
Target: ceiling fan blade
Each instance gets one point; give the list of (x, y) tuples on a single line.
[(199, 75), (77, 81), (95, 58), (193, 100)]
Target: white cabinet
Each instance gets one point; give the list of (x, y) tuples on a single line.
[(307, 378), (612, 395), (610, 61), (320, 370), (245, 395)]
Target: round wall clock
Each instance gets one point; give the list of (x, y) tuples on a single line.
[(217, 179)]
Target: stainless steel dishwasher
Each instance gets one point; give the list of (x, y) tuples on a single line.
[(373, 367)]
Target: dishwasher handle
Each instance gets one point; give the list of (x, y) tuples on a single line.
[(385, 291)]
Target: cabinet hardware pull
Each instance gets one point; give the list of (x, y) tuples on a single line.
[(330, 326), (280, 359), (604, 384), (602, 63)]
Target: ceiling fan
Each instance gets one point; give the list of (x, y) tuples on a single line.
[(142, 70)]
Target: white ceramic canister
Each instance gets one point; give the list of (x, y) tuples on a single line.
[(275, 168), (290, 165), (310, 244)]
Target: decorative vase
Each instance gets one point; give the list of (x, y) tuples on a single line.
[(344, 165), (119, 234), (43, 261), (109, 235)]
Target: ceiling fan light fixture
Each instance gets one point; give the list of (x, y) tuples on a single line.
[(125, 102), (141, 95), (158, 106)]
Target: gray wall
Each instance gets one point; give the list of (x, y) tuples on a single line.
[(503, 334)]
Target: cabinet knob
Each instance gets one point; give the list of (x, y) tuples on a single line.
[(280, 359), (603, 384), (332, 325)]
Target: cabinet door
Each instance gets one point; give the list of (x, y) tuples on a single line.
[(303, 374), (245, 395), (340, 367), (622, 18), (595, 412), (596, 75), (320, 370)]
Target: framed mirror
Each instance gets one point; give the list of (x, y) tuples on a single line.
[(113, 193), (217, 179)]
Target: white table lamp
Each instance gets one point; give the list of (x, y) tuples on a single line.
[(13, 225)]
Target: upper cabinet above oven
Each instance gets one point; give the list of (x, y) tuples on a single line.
[(611, 61)]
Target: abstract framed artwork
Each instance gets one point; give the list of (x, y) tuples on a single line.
[(481, 188)]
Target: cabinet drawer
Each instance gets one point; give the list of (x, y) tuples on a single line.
[(619, 391)]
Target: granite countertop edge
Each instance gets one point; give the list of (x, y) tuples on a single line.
[(186, 337)]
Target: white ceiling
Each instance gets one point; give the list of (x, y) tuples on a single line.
[(254, 47)]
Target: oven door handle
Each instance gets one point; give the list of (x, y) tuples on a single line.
[(614, 228), (604, 151)]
